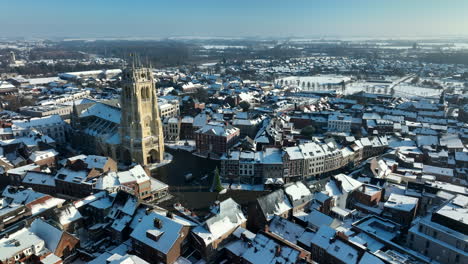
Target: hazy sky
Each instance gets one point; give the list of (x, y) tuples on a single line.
[(275, 18)]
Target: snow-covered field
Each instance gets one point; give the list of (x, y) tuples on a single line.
[(319, 79), (222, 47), (402, 90)]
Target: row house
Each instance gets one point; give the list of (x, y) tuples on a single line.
[(52, 126), (208, 236), (308, 160), (171, 129), (159, 238), (253, 167), (445, 230), (216, 138)]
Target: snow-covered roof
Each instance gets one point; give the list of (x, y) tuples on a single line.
[(401, 202), (136, 173), (456, 209), (263, 250), (378, 227), (68, 175), (323, 236), (274, 203), (51, 202), (68, 214), (271, 156), (51, 120), (47, 232), (161, 239), (228, 215), (23, 169), (26, 239), (218, 129), (298, 193), (427, 169), (294, 153), (316, 219), (89, 199), (23, 196), (348, 184), (126, 259), (44, 80), (51, 259), (451, 141), (103, 111), (286, 229), (368, 258), (107, 181), (42, 154), (344, 252)]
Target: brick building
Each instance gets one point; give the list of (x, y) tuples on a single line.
[(216, 138)]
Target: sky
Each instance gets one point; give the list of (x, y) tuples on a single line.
[(233, 18)]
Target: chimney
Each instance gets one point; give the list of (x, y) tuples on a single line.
[(157, 223), (342, 235), (278, 251), (169, 215)]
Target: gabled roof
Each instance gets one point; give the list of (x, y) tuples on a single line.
[(298, 193), (47, 232), (228, 215), (168, 233), (274, 203)]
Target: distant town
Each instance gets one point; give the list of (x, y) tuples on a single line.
[(232, 150)]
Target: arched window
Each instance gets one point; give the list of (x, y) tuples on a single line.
[(143, 93), (148, 92)]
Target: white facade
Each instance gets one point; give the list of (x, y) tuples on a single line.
[(169, 109), (339, 123), (52, 126), (171, 129)]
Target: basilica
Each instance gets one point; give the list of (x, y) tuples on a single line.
[(130, 130)]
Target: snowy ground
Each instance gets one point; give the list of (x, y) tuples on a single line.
[(187, 145), (402, 90), (246, 187), (167, 159)]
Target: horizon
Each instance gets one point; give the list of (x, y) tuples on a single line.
[(51, 19)]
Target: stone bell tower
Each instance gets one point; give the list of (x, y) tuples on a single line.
[(140, 125)]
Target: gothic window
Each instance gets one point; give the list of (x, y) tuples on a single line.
[(143, 93)]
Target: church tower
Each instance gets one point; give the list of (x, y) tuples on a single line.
[(140, 124)]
